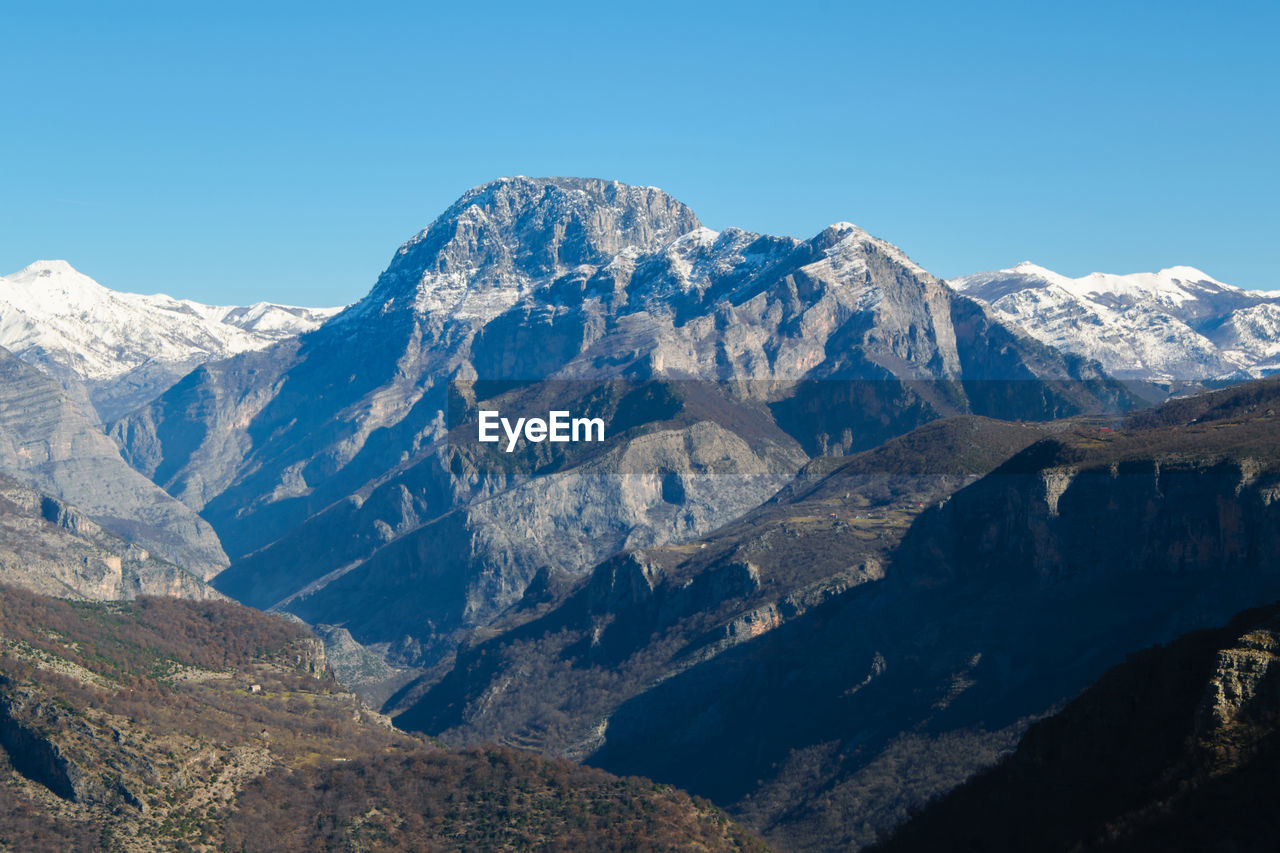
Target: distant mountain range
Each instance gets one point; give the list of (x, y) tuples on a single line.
[(125, 347), (1178, 325), (849, 531), (66, 345)]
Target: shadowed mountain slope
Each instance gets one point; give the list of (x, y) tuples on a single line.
[(1175, 749)]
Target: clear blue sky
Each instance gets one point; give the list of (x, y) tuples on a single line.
[(234, 152)]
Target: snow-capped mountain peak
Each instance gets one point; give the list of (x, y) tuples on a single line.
[(1185, 273), (53, 308), (47, 268), (846, 240), (51, 283), (1176, 324), (1029, 268), (60, 320), (1177, 284)]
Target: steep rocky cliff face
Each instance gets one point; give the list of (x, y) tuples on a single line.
[(336, 478), (1174, 749), (48, 442), (1068, 518), (49, 546)]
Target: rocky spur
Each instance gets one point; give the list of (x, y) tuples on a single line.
[(558, 426)]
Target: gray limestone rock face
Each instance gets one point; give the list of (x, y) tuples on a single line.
[(51, 547), (359, 669), (1244, 679), (47, 441)]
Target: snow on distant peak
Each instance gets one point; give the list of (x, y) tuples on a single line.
[(1171, 286), (46, 268), (1184, 273), (843, 228), (847, 240), (1029, 268), (1176, 324), (63, 321), (50, 275)]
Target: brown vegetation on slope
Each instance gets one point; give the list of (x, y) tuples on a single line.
[(167, 725)]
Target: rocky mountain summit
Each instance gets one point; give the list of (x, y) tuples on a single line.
[(1178, 325), (335, 469), (127, 347)]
